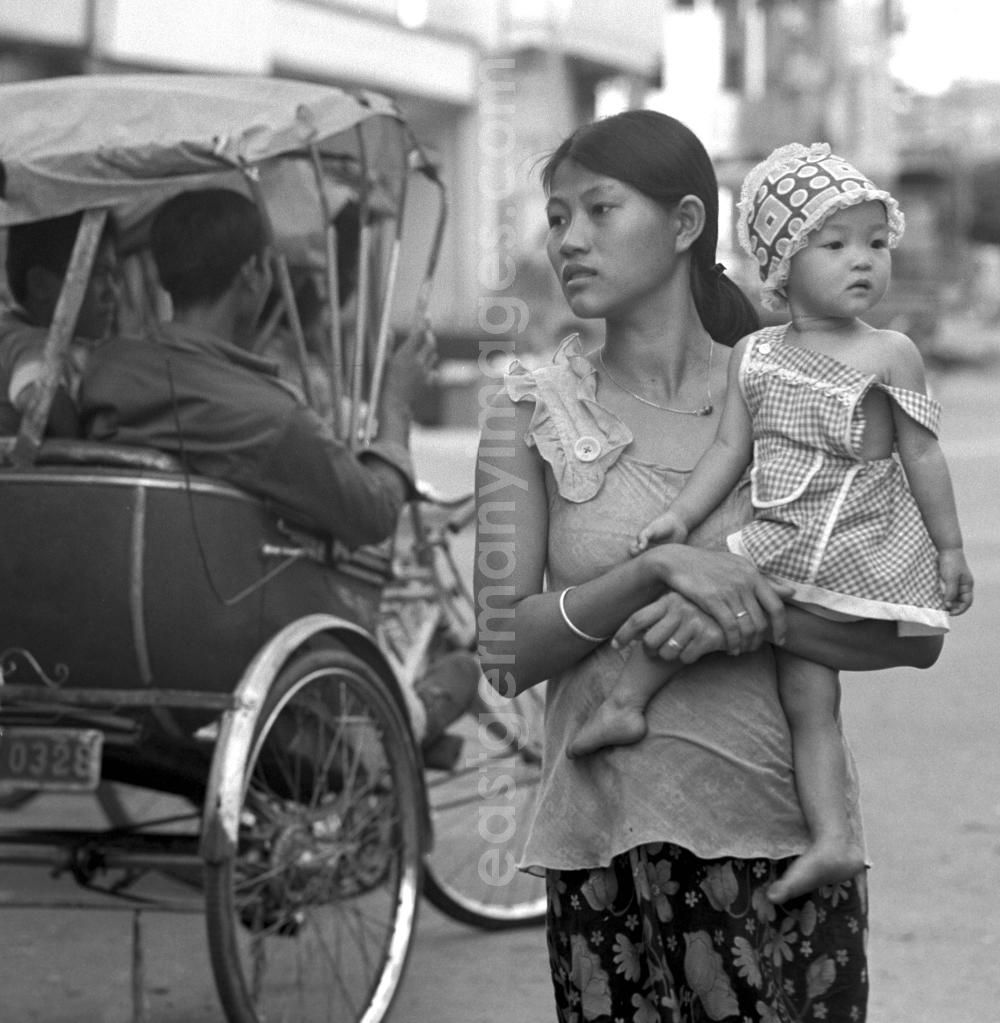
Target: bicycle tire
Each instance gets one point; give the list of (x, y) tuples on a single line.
[(481, 807), (480, 812), (316, 911)]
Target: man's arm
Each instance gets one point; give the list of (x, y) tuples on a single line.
[(355, 497)]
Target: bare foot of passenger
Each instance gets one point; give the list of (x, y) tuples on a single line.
[(611, 725), (823, 863)]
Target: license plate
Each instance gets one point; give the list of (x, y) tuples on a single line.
[(62, 759)]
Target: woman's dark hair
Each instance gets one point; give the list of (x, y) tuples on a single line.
[(200, 239), (662, 158)]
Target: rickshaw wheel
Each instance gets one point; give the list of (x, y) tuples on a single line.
[(313, 917), (481, 811)]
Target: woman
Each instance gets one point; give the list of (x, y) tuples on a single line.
[(657, 855)]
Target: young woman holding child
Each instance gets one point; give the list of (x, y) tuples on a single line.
[(659, 854)]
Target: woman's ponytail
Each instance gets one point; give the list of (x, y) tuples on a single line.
[(722, 305)]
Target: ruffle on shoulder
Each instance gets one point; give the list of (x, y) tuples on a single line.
[(578, 437), (919, 407)]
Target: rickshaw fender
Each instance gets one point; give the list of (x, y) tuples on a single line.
[(220, 825)]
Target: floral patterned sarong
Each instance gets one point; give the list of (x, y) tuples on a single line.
[(660, 936)]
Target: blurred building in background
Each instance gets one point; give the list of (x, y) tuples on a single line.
[(751, 75), (493, 85), (950, 181)]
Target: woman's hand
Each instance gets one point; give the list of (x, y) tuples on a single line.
[(745, 606), (673, 629)]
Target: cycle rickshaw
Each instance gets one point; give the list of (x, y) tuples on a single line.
[(167, 632)]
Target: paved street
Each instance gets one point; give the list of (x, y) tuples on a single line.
[(928, 752), (927, 748)]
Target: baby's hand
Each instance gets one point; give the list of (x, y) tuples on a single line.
[(665, 528), (956, 580)]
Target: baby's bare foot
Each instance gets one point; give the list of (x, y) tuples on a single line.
[(822, 863), (611, 725)]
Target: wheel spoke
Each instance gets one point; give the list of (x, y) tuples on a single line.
[(332, 749), (334, 962), (322, 895)]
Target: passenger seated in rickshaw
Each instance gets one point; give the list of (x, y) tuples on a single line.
[(197, 392), (38, 254)]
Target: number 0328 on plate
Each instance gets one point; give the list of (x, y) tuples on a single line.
[(62, 759)]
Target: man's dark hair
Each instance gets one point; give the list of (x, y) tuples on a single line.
[(44, 243), (200, 239)]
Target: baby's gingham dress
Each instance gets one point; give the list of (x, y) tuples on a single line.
[(845, 533)]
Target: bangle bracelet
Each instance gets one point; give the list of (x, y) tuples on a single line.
[(569, 625)]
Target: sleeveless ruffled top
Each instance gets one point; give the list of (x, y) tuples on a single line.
[(714, 773)]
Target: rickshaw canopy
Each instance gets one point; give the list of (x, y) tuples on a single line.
[(121, 145), (125, 142)]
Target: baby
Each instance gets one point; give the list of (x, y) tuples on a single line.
[(854, 510)]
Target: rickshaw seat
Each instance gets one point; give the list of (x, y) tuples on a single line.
[(66, 451), (120, 570)]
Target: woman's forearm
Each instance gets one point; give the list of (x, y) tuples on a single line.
[(857, 646), (525, 641)]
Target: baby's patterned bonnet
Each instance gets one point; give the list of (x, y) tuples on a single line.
[(788, 196)]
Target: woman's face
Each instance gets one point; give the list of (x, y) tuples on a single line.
[(612, 247)]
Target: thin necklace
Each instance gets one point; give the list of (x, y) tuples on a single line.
[(706, 410)]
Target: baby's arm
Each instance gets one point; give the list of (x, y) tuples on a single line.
[(718, 470), (929, 479)]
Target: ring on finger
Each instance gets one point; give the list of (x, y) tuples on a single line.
[(741, 614), (673, 643)]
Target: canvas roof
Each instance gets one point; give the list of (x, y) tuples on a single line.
[(129, 141)]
